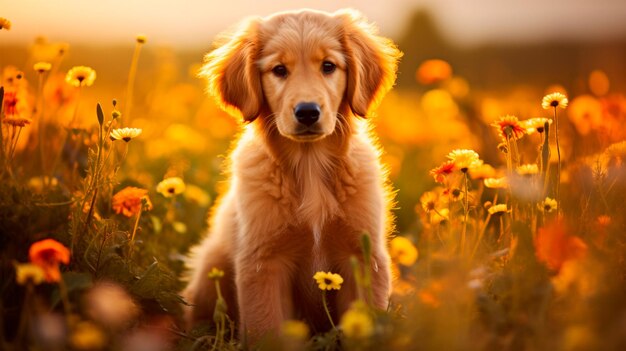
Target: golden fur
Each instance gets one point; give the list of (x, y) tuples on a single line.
[(296, 203)]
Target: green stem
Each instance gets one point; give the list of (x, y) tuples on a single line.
[(466, 212), (484, 228), (326, 309), (40, 135), (132, 237), (131, 82), (558, 156)]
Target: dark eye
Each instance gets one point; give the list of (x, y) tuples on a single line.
[(328, 67), (280, 71)]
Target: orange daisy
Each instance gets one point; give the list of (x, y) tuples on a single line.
[(128, 201), (48, 254), (440, 173), (509, 127)]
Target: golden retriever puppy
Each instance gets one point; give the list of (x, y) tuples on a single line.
[(305, 177)]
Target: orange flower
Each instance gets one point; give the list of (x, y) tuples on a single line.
[(511, 126), (128, 201), (442, 171), (47, 254), (554, 246), (433, 71)]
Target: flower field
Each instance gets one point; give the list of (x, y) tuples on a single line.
[(510, 216)]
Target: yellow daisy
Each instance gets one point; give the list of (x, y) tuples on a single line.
[(554, 100), (42, 67), (440, 216), (125, 134), (215, 273), (295, 329), (5, 23), (548, 205), (29, 273), (141, 39), (465, 159), (356, 323), (498, 209), (328, 280), (496, 183), (81, 76), (528, 169), (171, 186), (428, 200), (536, 124), (482, 172), (403, 251), (87, 336)]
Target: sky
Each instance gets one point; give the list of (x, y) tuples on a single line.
[(194, 23)]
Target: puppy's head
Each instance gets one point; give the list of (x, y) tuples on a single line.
[(302, 68)]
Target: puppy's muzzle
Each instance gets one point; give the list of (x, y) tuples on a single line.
[(307, 113)]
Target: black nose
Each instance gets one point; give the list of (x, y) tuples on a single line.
[(307, 113)]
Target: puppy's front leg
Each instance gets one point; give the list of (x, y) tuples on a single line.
[(263, 292), (264, 265)]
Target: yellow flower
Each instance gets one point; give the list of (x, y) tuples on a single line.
[(528, 169), (509, 127), (80, 76), (328, 281), (196, 195), (440, 216), (216, 273), (498, 209), (587, 113), (87, 336), (536, 124), (482, 172), (554, 100), (428, 200), (141, 39), (356, 323), (29, 273), (548, 205), (171, 186), (496, 183), (42, 67), (403, 251), (5, 23), (295, 329), (125, 134), (464, 159)]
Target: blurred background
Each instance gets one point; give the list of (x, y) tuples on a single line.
[(499, 57)]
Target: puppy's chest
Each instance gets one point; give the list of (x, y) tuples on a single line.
[(315, 198)]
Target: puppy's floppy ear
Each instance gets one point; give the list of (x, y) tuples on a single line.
[(232, 74), (372, 62)]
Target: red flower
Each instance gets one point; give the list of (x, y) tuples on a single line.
[(10, 103), (554, 246), (442, 171), (48, 254)]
